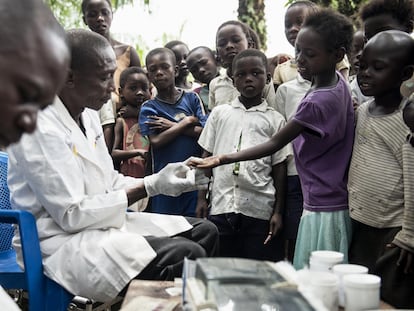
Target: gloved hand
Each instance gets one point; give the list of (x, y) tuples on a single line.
[(173, 179)]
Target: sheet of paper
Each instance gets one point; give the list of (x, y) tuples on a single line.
[(144, 303), (156, 224)]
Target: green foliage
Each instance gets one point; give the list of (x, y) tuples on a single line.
[(68, 12), (252, 12), (347, 7)]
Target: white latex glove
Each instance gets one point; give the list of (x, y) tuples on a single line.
[(172, 180)]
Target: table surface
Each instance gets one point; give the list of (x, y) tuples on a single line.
[(153, 295)]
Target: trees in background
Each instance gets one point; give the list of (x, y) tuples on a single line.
[(68, 12), (251, 12), (347, 7)]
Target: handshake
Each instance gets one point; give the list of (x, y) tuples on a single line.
[(176, 178)]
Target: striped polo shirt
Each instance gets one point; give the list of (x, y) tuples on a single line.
[(375, 186)]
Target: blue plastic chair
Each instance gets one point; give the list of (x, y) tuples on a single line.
[(44, 294)]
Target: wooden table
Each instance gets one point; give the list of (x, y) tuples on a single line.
[(383, 306)]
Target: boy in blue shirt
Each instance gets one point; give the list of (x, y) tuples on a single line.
[(173, 121)]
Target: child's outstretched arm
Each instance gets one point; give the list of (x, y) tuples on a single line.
[(291, 130)]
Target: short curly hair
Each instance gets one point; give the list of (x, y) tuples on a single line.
[(85, 3), (129, 71), (248, 53), (251, 35), (401, 10), (157, 51), (309, 4), (335, 29)]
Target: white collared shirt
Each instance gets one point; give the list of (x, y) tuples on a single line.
[(252, 191)]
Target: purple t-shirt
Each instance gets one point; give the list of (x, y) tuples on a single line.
[(323, 151)]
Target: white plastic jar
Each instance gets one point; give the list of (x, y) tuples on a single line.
[(344, 269), (362, 291), (324, 286), (324, 260)]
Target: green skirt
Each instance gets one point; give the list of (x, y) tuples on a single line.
[(322, 231)]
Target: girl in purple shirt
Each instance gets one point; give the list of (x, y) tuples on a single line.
[(322, 132)]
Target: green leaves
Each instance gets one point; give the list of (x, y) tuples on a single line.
[(68, 12)]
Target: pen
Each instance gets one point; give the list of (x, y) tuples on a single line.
[(269, 236)]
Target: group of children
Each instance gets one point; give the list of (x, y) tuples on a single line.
[(298, 163)]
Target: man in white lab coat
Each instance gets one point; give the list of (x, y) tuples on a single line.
[(63, 174)]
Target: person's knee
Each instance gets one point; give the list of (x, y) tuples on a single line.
[(189, 249), (209, 229), (205, 233), (210, 240)]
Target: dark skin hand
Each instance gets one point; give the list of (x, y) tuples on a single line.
[(202, 208), (405, 259), (169, 130), (128, 111), (160, 123), (279, 172), (275, 225)]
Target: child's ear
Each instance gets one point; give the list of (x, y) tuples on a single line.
[(120, 91), (217, 56), (268, 77), (70, 79), (176, 71), (84, 19), (339, 54), (407, 72)]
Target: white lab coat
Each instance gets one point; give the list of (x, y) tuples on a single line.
[(89, 244)]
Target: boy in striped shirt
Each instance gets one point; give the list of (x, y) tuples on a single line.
[(381, 198)]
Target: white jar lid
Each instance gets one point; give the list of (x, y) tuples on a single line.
[(362, 280), (327, 256), (345, 268)]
